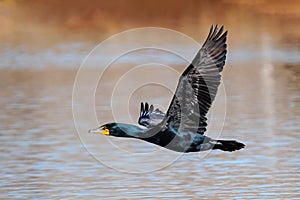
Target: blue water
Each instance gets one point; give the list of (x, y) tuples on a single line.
[(71, 56), (42, 155)]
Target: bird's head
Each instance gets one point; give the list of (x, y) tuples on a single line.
[(110, 129)]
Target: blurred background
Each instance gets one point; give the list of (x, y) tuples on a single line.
[(42, 45)]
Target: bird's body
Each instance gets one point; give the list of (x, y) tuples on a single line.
[(183, 126), (170, 138)]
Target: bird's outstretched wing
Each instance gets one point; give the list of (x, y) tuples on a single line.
[(150, 117), (197, 86)]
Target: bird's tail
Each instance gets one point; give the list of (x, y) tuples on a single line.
[(228, 145)]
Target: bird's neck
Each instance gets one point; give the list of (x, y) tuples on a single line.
[(131, 131), (153, 135)]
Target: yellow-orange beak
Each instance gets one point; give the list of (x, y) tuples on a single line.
[(100, 130)]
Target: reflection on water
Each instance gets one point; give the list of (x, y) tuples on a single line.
[(41, 155)]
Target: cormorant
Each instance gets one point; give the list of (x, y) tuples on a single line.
[(182, 128)]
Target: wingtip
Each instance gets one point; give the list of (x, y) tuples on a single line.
[(142, 109), (215, 33), (151, 108), (146, 106)]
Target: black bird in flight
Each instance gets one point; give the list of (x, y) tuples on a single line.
[(182, 128)]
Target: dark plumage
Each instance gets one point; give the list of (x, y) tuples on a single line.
[(182, 127)]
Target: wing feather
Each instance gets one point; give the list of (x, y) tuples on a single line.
[(198, 85), (150, 117)]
